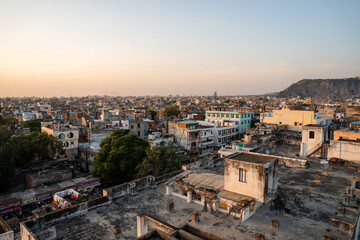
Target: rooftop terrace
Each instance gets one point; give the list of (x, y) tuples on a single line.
[(311, 210), (251, 158)]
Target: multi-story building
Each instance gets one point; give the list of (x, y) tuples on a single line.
[(217, 135), (207, 141), (68, 135), (242, 119), (187, 135)]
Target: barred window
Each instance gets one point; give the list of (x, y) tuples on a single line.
[(242, 175)]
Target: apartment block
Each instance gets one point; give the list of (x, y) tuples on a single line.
[(242, 119)]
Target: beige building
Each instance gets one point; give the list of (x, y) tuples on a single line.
[(251, 175), (68, 135), (186, 134), (293, 119)]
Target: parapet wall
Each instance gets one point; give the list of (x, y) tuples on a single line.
[(36, 224), (164, 178), (219, 162), (206, 163), (8, 232), (130, 188)]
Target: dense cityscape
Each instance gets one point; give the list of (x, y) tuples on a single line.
[(179, 120), (153, 151)]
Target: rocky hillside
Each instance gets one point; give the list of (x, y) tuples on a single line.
[(323, 88)]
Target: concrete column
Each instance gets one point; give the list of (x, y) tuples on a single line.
[(140, 225), (189, 196), (168, 190), (203, 200), (215, 205)]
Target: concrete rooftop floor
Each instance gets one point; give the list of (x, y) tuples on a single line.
[(309, 219)]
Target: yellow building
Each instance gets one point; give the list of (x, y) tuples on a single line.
[(294, 119), (346, 134)]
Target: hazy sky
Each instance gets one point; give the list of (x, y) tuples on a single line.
[(62, 48)]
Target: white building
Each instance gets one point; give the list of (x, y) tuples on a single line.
[(223, 132), (313, 138)]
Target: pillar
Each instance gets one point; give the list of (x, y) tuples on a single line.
[(203, 200), (215, 205), (189, 196), (140, 225), (168, 190)]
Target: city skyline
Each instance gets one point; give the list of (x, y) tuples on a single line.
[(123, 48)]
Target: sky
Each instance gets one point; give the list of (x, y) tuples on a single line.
[(162, 47)]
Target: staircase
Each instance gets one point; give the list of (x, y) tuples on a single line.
[(314, 149)]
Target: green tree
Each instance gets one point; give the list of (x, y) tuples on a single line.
[(171, 111), (153, 113), (7, 121), (7, 166), (118, 157), (25, 148), (34, 125), (161, 159), (299, 107)]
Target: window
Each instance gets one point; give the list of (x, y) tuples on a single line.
[(232, 115), (218, 115), (242, 115), (222, 115), (237, 115), (62, 136), (227, 115), (242, 175), (311, 134), (213, 114)]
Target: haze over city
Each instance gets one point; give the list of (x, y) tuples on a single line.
[(63, 48)]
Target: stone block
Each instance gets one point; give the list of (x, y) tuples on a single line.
[(259, 236), (325, 172), (196, 217), (274, 223), (312, 184), (318, 179), (305, 191), (117, 229), (170, 206), (287, 211), (148, 197)]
